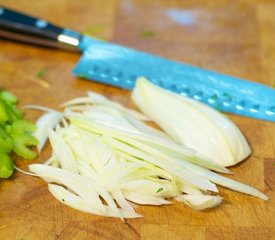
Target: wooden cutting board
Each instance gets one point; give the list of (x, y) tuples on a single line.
[(234, 37)]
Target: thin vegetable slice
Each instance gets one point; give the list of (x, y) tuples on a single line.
[(76, 202), (200, 202), (105, 158), (192, 123), (48, 121)]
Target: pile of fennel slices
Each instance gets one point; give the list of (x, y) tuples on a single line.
[(106, 158)]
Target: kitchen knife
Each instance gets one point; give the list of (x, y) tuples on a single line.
[(120, 66)]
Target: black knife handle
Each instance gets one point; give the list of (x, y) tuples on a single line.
[(21, 27)]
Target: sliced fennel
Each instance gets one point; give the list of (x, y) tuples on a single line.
[(105, 158), (95, 99), (76, 202), (200, 202), (192, 123), (167, 146), (48, 121)]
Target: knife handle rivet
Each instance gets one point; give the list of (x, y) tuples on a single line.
[(40, 23)]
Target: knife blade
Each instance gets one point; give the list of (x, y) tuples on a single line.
[(120, 66)]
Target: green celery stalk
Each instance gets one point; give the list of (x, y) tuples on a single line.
[(21, 144), (6, 165), (4, 117), (15, 134), (8, 98)]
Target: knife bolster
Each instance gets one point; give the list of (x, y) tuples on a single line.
[(69, 40)]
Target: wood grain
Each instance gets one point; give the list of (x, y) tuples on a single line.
[(234, 37)]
